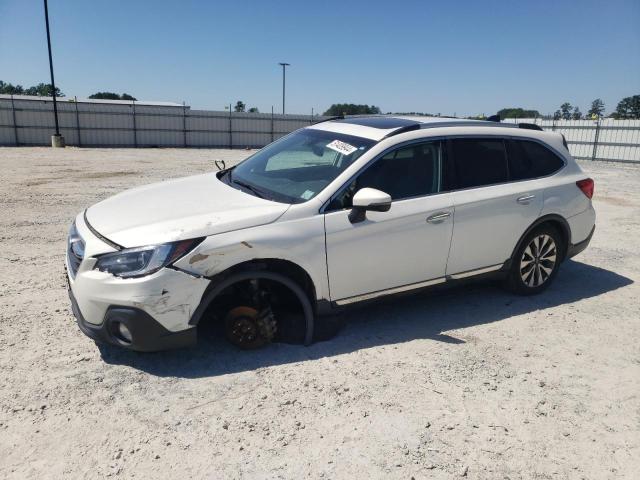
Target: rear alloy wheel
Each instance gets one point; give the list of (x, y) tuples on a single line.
[(536, 262)]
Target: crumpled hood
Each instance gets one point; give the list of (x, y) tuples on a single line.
[(180, 209)]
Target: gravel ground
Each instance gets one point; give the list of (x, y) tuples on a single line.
[(470, 382)]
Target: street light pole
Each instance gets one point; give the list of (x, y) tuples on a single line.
[(57, 140), (284, 66)]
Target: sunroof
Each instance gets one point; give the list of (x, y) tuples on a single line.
[(383, 123)]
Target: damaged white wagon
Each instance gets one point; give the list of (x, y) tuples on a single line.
[(340, 212)]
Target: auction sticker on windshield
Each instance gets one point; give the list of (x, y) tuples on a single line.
[(342, 147)]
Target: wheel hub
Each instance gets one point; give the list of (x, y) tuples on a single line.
[(248, 328)]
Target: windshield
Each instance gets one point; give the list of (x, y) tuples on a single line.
[(297, 167)]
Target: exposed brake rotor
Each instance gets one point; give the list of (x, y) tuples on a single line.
[(249, 328)]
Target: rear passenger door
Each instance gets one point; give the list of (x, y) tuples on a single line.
[(491, 211)]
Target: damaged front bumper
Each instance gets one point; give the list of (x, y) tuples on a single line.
[(146, 314), (145, 333)]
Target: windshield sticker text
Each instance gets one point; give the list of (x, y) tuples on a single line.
[(342, 147)]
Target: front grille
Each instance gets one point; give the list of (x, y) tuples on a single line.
[(75, 251)]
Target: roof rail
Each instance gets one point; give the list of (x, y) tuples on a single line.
[(338, 117), (408, 128), (530, 126)]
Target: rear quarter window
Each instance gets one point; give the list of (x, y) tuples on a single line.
[(528, 159)]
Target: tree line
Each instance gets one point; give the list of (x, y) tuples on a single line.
[(627, 108), (46, 90)]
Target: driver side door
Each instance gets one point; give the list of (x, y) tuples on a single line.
[(401, 249)]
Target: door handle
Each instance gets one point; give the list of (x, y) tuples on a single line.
[(438, 217), (525, 199)]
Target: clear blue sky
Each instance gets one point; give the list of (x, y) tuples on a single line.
[(466, 57)]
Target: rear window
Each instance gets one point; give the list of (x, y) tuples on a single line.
[(529, 159), (478, 162)]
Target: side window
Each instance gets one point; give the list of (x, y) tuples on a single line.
[(529, 159), (407, 172), (478, 162)]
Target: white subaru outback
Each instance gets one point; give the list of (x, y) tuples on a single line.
[(340, 212)]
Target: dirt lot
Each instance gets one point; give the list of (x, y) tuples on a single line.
[(473, 382)]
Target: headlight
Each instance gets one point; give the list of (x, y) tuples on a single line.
[(141, 261), (74, 242)]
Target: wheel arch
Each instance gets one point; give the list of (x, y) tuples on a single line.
[(289, 274), (557, 221)]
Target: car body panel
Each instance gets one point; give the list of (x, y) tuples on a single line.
[(190, 207), (299, 240), (489, 222), (388, 249), (581, 225)]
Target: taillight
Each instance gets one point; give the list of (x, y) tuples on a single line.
[(586, 186)]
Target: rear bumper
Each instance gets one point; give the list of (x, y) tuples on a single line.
[(147, 335), (576, 248)]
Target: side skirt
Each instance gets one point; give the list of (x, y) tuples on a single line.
[(494, 272)]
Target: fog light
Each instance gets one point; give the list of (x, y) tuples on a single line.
[(124, 332)]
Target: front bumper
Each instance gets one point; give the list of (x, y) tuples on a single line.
[(147, 335), (156, 309)]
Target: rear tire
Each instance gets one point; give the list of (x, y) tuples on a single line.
[(535, 264)]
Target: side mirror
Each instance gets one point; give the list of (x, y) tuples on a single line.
[(368, 199)]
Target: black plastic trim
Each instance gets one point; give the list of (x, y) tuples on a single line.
[(408, 128), (575, 248), (530, 126)]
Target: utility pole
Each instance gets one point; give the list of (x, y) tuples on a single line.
[(284, 66), (57, 140)]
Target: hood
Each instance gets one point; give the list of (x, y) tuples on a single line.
[(180, 209)]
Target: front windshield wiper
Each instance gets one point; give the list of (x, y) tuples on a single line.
[(248, 186)]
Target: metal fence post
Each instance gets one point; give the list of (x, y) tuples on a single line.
[(15, 125), (271, 123), (135, 131), (184, 125), (595, 140), (75, 100), (230, 130)]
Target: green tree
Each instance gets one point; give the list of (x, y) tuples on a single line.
[(628, 108), (9, 89), (517, 112), (43, 90), (597, 108), (577, 114), (351, 109), (240, 106), (254, 110), (105, 96), (565, 111), (112, 96)]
